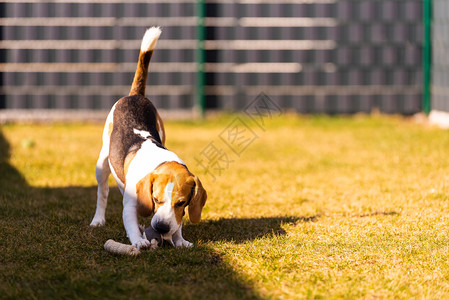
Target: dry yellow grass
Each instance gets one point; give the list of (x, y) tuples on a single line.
[(314, 207)]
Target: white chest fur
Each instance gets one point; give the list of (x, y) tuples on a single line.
[(147, 158)]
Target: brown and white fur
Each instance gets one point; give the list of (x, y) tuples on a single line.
[(151, 178)]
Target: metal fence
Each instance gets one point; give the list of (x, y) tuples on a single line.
[(311, 56), (440, 56)]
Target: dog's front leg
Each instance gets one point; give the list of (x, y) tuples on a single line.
[(178, 240), (132, 223)]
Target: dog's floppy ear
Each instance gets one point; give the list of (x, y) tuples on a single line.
[(197, 202), (144, 191)]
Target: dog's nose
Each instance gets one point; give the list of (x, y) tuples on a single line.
[(161, 227)]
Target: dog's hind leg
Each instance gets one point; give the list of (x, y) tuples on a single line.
[(102, 173)]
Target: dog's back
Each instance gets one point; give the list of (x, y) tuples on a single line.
[(134, 123)]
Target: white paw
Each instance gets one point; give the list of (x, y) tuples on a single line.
[(142, 244), (183, 243), (97, 222), (154, 244)]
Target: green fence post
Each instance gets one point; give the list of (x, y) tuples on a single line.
[(200, 75), (427, 55)]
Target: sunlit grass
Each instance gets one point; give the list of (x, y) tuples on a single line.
[(314, 207)]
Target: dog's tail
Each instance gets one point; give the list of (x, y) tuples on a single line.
[(146, 51)]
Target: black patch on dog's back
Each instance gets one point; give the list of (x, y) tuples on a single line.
[(132, 112)]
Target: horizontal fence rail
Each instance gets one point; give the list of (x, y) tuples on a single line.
[(311, 56)]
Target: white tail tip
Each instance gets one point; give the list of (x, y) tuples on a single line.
[(150, 39)]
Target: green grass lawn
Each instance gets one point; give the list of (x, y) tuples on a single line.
[(306, 207)]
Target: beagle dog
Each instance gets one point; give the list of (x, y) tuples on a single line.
[(152, 179)]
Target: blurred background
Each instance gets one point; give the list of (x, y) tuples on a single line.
[(309, 56)]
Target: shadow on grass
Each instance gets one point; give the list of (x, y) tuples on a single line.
[(242, 230), (49, 250), (9, 176)]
